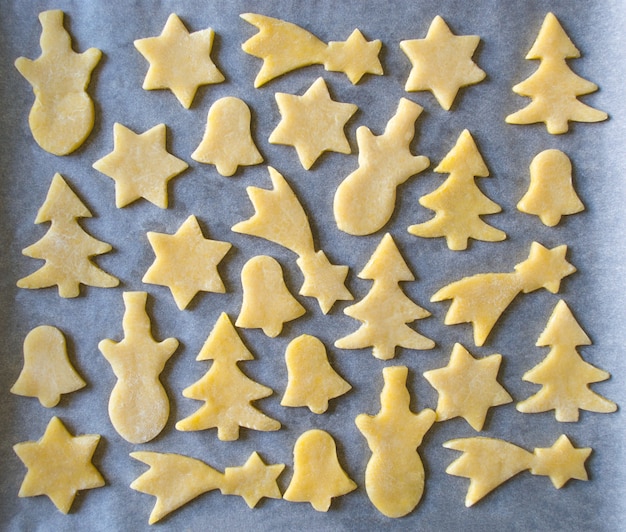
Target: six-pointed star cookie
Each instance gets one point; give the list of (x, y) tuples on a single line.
[(140, 165), (561, 462), (442, 62), (179, 61), (59, 465), (468, 387), (186, 262), (253, 480), (312, 123), (356, 56)]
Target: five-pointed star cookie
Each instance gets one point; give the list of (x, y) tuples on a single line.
[(253, 480), (179, 60), (312, 123), (442, 62), (561, 462), (140, 165), (186, 262), (59, 465), (468, 387)]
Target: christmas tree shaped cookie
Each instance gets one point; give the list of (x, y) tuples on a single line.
[(386, 310), (66, 247), (59, 465), (280, 218), (140, 165), (317, 474), (312, 123), (489, 462), (179, 60), (186, 262), (355, 56), (175, 480), (138, 406), (47, 372), (468, 387), (554, 87), (551, 193), (312, 381), (267, 302), (227, 141), (227, 393), (563, 374), (442, 62), (458, 203), (481, 299), (394, 477), (365, 200), (63, 113)]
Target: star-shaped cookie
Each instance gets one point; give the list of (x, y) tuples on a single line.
[(312, 123), (356, 56), (253, 480), (468, 387), (561, 462), (179, 60), (442, 62), (186, 262), (140, 165), (59, 465)]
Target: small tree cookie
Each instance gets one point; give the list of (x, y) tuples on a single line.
[(138, 406), (47, 372), (317, 474), (394, 477), (66, 247), (386, 310), (458, 203), (563, 374), (481, 299), (227, 141), (63, 113), (227, 393), (551, 193), (553, 88), (312, 381), (365, 200)]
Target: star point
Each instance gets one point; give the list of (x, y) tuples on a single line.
[(253, 480), (59, 465), (312, 123), (186, 262), (179, 61), (442, 62), (140, 165)]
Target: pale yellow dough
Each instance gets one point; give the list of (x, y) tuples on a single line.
[(489, 462), (551, 193), (394, 477), (227, 141), (186, 262), (442, 62), (312, 123), (140, 165), (138, 406), (267, 302), (63, 113), (59, 465), (468, 387), (47, 371), (565, 376), (355, 56), (554, 87), (66, 247), (179, 61), (312, 381), (317, 475)]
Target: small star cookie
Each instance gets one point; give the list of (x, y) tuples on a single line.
[(59, 465), (253, 480), (442, 62), (312, 123), (140, 165), (186, 262), (179, 60)]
